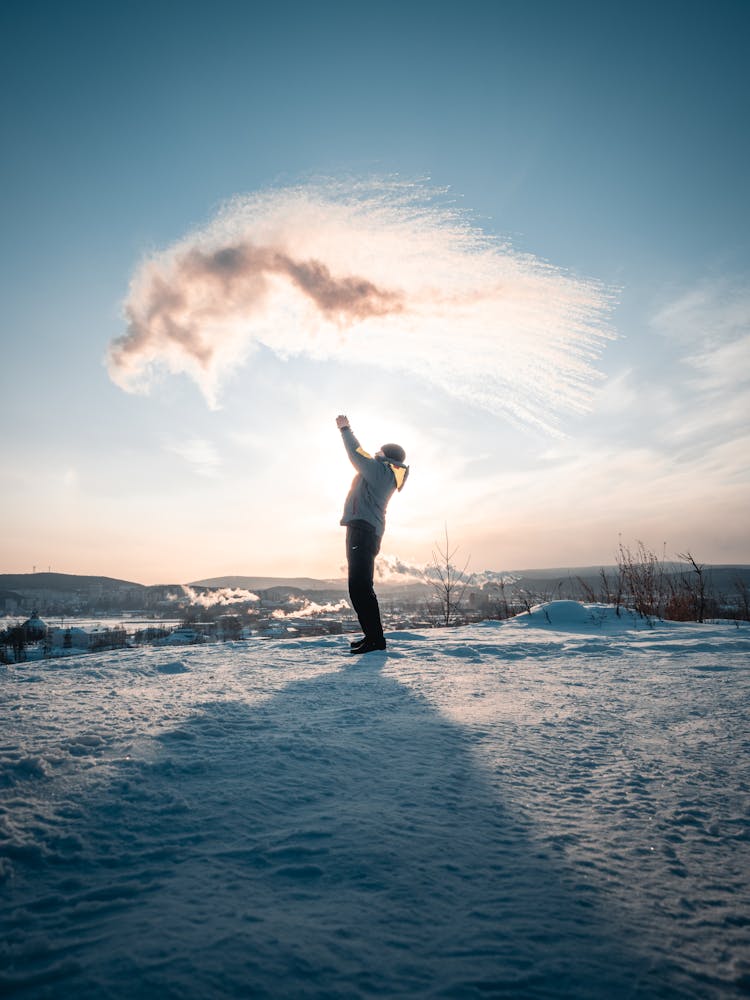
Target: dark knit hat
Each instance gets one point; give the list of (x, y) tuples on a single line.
[(394, 451)]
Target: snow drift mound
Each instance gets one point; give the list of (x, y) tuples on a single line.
[(561, 613), (567, 614), (572, 615)]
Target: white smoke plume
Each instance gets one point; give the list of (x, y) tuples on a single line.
[(494, 578), (310, 608), (223, 596), (392, 569), (386, 273)]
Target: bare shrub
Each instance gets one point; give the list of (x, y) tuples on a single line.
[(448, 582), (642, 580), (689, 592), (611, 591), (657, 589)]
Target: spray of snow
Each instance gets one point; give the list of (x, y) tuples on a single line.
[(386, 273)]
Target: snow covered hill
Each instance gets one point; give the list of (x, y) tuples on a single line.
[(554, 806)]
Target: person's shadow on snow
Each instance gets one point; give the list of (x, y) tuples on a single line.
[(337, 840)]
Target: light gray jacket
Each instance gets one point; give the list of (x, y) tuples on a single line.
[(376, 481)]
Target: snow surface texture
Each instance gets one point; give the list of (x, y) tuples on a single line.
[(555, 806)]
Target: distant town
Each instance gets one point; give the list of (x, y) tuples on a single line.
[(56, 614)]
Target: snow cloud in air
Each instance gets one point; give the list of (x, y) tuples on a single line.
[(385, 273)]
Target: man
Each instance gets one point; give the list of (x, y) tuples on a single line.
[(376, 481)]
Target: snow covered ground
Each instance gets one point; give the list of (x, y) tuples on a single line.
[(555, 806)]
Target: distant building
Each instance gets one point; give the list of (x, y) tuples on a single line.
[(186, 635), (34, 628), (92, 639), (70, 638)]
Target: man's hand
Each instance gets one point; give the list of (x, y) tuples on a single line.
[(342, 421)]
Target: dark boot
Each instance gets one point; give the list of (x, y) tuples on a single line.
[(370, 645)]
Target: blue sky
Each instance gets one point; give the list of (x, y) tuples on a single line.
[(607, 139)]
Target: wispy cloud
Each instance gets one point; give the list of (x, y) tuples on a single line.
[(711, 325), (387, 274), (708, 329), (199, 453)]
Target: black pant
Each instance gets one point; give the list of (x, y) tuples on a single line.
[(362, 545)]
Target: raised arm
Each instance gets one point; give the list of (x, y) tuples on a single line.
[(359, 458)]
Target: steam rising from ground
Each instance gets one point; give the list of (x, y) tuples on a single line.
[(385, 273), (306, 609), (393, 569), (302, 607), (223, 596)]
